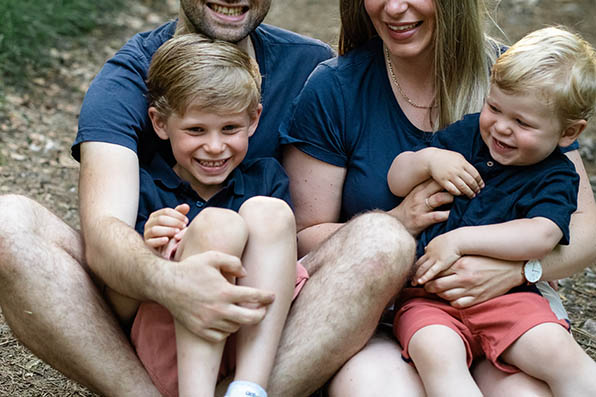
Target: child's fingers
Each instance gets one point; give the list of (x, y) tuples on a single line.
[(157, 242), (430, 273), (183, 208), (160, 231), (422, 265)]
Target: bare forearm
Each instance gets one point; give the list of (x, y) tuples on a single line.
[(407, 171), (567, 260), (118, 255), (520, 239), (311, 237)]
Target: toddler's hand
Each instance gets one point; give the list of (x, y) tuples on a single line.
[(166, 224), (439, 255), (454, 173)]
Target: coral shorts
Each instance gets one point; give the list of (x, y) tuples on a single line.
[(153, 337), (487, 328)]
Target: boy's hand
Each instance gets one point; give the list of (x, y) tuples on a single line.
[(439, 255), (454, 173), (166, 225)]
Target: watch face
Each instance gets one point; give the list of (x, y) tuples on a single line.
[(533, 271)]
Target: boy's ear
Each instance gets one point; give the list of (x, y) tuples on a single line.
[(572, 132), (254, 122), (159, 124)]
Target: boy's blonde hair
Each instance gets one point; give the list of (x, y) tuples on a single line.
[(215, 74), (556, 64)]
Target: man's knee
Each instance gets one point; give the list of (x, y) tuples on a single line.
[(383, 235), (268, 214), (16, 211)]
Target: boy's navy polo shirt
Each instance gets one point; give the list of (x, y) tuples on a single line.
[(161, 187), (547, 189), (347, 116), (115, 107)]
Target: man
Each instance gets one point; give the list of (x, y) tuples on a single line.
[(52, 279)]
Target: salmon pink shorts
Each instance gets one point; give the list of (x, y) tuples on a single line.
[(487, 328), (154, 339)]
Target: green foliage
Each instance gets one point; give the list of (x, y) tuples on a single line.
[(29, 28)]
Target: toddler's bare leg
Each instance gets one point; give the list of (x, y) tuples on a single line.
[(440, 357), (198, 359), (548, 352), (270, 263)]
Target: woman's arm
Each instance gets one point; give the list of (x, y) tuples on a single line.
[(316, 189), (567, 260)]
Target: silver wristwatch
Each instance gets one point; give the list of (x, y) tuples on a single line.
[(532, 271)]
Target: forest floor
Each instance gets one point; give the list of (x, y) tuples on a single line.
[(38, 124)]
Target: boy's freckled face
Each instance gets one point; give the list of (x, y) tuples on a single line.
[(518, 129), (208, 146)]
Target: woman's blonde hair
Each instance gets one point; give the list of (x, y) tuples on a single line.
[(556, 64), (463, 52), (214, 74)]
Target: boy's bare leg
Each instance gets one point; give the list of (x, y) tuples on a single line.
[(570, 372), (52, 305), (354, 274), (495, 383), (270, 262), (440, 357), (198, 359)]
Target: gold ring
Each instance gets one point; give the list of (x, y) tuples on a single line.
[(430, 207)]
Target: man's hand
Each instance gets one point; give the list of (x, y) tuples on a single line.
[(198, 294), (440, 253), (474, 279)]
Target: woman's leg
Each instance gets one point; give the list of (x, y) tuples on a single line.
[(198, 359), (270, 262), (377, 370), (495, 383)]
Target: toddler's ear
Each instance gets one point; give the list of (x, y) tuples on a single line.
[(572, 132), (254, 122), (159, 123)]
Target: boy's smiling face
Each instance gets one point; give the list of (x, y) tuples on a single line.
[(519, 129), (207, 145)]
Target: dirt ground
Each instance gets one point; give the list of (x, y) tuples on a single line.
[(38, 125)]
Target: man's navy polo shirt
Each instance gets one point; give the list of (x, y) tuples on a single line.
[(547, 189), (115, 107), (161, 187)]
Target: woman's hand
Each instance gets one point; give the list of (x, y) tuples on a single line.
[(475, 279), (418, 211)]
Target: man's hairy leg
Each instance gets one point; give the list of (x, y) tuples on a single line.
[(52, 305), (354, 274)]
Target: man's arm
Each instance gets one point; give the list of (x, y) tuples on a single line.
[(193, 290)]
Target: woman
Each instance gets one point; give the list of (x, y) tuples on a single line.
[(406, 68)]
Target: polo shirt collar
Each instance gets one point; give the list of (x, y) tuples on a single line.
[(163, 175)]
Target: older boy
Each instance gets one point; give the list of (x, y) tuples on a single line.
[(204, 98), (521, 191)]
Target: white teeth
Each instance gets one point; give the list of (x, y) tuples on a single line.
[(227, 11), (403, 27), (213, 164)]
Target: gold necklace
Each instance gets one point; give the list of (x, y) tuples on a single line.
[(407, 98)]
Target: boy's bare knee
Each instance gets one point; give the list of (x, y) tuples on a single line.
[(217, 229), (268, 214)]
